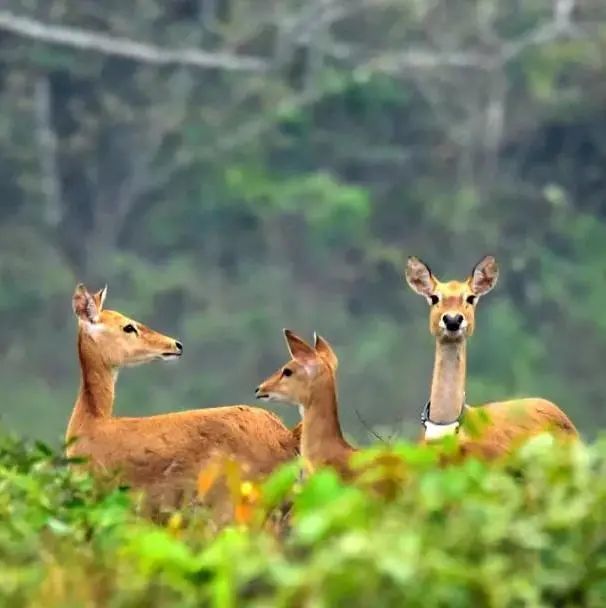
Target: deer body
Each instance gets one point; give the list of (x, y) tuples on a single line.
[(308, 380), (501, 425), (161, 454), (504, 425)]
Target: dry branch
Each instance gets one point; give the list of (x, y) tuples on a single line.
[(86, 40)]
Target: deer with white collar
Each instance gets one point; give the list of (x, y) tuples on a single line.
[(451, 322)]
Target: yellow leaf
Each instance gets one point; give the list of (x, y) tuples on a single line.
[(243, 513), (207, 478), (175, 523)]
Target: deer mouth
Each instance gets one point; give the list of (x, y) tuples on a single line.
[(453, 334), (170, 356)]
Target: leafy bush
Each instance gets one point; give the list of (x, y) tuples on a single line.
[(528, 532)]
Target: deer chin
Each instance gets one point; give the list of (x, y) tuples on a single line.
[(135, 362), (446, 335), (276, 397)]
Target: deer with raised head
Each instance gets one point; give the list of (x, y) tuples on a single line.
[(308, 380), (162, 454), (451, 322)]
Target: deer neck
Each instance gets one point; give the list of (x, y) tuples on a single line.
[(322, 434), (97, 384), (448, 382)]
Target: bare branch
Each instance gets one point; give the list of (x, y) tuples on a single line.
[(86, 40), (420, 59), (368, 428), (560, 27)]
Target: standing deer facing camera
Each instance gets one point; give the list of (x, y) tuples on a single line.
[(163, 454), (451, 322)]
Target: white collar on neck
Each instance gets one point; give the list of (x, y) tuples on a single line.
[(437, 431), (434, 430)]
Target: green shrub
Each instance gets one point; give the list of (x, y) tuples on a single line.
[(528, 532)]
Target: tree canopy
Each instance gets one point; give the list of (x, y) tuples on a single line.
[(232, 167)]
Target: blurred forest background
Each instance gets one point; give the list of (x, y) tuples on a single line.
[(232, 167)]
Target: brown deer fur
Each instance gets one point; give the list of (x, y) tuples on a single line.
[(500, 426), (308, 380), (162, 454)]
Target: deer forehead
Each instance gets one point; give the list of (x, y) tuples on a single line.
[(454, 290), (113, 318)]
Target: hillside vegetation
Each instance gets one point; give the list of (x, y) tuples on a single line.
[(285, 186)]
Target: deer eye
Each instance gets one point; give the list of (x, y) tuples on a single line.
[(471, 299), (287, 372), (434, 299), (129, 329)]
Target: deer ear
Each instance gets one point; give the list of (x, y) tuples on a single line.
[(301, 352), (298, 348), (419, 277), (484, 276), (324, 349), (84, 305), (99, 298)]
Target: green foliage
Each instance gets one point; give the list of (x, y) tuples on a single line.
[(220, 206), (530, 531), (332, 211)]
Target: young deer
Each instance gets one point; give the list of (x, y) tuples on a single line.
[(451, 321), (162, 454), (308, 380)]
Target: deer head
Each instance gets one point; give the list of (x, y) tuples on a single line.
[(309, 367), (452, 304), (114, 339)]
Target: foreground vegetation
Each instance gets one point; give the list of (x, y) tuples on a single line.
[(529, 532)]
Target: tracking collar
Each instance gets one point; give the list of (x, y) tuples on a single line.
[(437, 430)]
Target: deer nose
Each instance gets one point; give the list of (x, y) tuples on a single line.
[(179, 346), (452, 322), (257, 390)]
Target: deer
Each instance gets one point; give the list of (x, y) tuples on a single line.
[(163, 454), (502, 425), (308, 380)]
